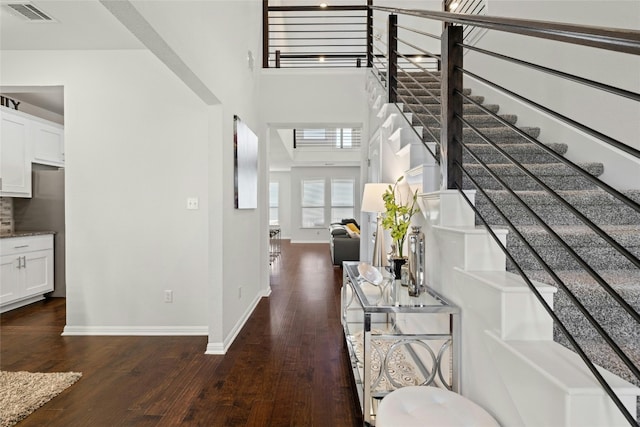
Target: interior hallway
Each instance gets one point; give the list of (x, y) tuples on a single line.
[(287, 367)]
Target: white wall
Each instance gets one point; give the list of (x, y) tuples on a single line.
[(214, 39), (136, 147), (292, 97), (609, 114)]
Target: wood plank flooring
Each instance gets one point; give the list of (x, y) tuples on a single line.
[(287, 367)]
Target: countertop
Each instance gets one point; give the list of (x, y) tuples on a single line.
[(25, 234)]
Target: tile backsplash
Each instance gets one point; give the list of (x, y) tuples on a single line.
[(6, 215)]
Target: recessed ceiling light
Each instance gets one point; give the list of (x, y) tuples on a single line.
[(323, 5), (321, 59)]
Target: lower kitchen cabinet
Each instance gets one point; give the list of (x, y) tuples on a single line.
[(26, 270)]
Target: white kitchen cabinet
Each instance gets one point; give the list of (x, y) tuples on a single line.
[(15, 155), (48, 143), (26, 270)]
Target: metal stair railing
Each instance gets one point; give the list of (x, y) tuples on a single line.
[(451, 145)]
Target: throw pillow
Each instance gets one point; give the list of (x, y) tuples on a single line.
[(353, 228)]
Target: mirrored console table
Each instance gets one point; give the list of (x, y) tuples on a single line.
[(395, 340)]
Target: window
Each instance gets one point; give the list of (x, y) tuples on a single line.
[(313, 134), (329, 138), (312, 203), (347, 139), (273, 203), (342, 197)]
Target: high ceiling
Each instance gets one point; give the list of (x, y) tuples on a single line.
[(85, 24)]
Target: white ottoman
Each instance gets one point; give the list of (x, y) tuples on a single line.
[(430, 406)]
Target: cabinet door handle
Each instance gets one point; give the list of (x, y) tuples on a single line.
[(24, 261), (21, 246), (19, 262)]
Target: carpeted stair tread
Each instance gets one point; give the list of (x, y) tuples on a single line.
[(496, 134), (525, 152), (615, 320), (597, 205), (421, 77), (434, 99), (418, 95), (555, 175), (625, 282), (546, 169), (594, 250), (412, 107), (581, 235), (410, 84), (478, 120)]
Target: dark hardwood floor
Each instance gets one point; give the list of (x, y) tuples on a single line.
[(287, 367)]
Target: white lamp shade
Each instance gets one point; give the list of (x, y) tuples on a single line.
[(372, 197)]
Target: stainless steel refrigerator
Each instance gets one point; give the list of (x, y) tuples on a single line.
[(44, 211)]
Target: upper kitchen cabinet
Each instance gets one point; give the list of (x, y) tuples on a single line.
[(48, 143), (26, 139), (15, 154)]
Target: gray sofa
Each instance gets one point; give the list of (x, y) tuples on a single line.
[(343, 246)]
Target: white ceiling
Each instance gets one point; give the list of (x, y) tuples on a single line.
[(85, 24)]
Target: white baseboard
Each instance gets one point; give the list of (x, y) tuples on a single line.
[(222, 347), (137, 330)]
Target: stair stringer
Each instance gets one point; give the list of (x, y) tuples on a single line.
[(510, 364)]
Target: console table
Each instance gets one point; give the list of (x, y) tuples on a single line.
[(395, 340)]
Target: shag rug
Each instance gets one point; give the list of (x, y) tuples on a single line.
[(21, 393)]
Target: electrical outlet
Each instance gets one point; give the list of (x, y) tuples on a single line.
[(168, 296), (192, 203)]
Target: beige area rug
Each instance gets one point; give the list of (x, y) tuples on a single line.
[(21, 393)]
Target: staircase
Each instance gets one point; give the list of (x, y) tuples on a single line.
[(619, 221)]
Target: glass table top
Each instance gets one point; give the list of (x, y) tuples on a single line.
[(391, 296)]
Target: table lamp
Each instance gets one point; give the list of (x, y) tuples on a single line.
[(372, 202)]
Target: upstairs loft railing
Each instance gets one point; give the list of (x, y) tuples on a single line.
[(330, 36), (444, 136), (315, 36)]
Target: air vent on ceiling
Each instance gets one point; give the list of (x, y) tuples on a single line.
[(29, 12)]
